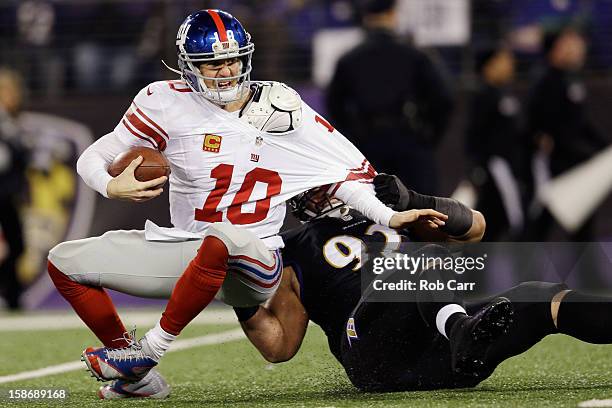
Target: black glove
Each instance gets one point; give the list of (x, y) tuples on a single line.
[(391, 191)]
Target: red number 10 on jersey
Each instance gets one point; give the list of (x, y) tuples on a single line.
[(223, 174)]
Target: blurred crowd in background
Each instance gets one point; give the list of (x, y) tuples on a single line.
[(485, 99), (63, 46)]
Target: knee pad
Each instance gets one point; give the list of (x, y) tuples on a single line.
[(65, 259), (237, 240), (237, 290), (60, 255), (238, 293)]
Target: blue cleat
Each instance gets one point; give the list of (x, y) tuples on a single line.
[(130, 363)]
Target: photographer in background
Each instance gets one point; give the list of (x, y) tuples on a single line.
[(558, 123), (13, 160), (493, 135)]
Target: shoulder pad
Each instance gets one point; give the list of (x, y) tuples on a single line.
[(284, 98), (274, 108)]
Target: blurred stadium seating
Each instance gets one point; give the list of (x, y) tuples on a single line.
[(100, 52)]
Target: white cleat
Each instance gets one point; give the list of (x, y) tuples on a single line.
[(152, 385)]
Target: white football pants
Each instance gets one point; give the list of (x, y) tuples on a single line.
[(126, 262)]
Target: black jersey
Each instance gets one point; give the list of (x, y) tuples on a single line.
[(325, 255)]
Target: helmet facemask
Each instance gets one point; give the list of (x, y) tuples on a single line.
[(189, 65)]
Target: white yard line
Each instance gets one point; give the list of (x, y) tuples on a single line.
[(209, 339), (69, 320), (596, 403), (43, 372)]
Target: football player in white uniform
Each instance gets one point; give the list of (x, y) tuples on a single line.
[(238, 150)]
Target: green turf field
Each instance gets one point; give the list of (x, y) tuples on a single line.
[(559, 372)]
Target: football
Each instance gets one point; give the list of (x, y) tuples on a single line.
[(153, 166)]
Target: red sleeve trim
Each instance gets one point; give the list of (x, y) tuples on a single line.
[(145, 129), (151, 121), (137, 135)]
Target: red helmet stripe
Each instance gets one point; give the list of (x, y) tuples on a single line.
[(219, 23)]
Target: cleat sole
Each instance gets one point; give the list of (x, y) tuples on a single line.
[(495, 323)]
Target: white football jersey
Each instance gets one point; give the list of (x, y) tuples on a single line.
[(223, 169)]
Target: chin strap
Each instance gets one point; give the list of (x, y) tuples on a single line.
[(176, 71)]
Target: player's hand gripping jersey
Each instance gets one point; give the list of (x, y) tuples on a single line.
[(224, 168)]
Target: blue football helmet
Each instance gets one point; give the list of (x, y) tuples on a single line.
[(211, 35)]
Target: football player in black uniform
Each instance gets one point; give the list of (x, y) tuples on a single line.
[(397, 346)]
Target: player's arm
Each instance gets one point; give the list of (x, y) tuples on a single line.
[(277, 328), (463, 224), (141, 125), (361, 197), (94, 161)]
